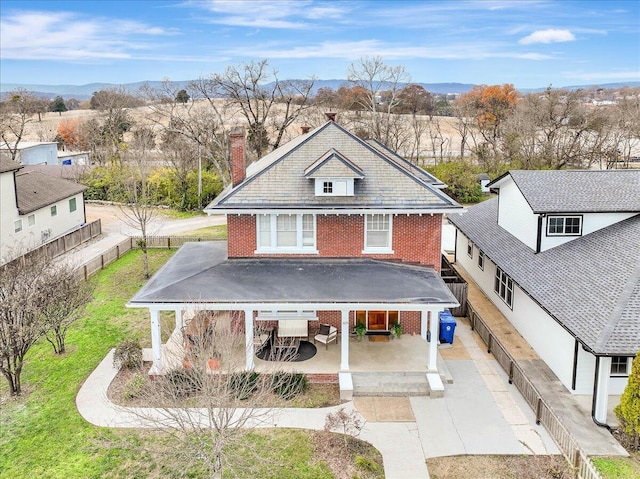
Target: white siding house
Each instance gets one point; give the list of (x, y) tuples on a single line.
[(560, 258), (35, 208), (34, 152)]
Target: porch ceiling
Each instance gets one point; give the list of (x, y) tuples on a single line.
[(201, 273)]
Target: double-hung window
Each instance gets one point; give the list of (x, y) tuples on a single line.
[(377, 234), (17, 226), (503, 287), (286, 233), (469, 249), (72, 205), (564, 226), (619, 366), (481, 259)]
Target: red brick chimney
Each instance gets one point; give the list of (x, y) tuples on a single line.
[(305, 129), (238, 171), (331, 116)]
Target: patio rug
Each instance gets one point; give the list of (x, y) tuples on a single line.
[(306, 350), (379, 338)]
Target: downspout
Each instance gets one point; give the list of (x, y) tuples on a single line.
[(595, 396), (575, 366), (539, 238)]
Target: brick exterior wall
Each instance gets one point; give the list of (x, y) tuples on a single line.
[(416, 239)]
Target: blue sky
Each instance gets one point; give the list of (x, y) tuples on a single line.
[(530, 43)]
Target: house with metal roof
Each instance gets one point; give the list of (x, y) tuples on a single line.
[(327, 229), (35, 208), (558, 253)]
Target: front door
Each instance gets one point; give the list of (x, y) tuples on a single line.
[(377, 320)]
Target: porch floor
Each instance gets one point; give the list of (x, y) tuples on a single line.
[(407, 354)]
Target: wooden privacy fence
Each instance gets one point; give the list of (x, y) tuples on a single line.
[(69, 241), (544, 414), (94, 265)]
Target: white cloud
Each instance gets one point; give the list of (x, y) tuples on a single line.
[(34, 35), (351, 50), (550, 35)]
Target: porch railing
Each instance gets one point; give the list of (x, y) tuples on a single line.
[(585, 469)]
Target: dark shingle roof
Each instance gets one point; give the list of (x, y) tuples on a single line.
[(578, 191), (278, 179), (590, 285), (7, 164), (200, 272), (36, 190)]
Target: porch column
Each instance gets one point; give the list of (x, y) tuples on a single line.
[(179, 320), (344, 332), (601, 389), (156, 342), (424, 319), (434, 332), (248, 336)]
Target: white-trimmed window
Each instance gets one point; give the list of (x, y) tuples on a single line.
[(54, 210), (327, 187), (620, 366), (334, 186), (377, 233), (481, 259), (17, 226), (31, 220), (469, 249), (564, 225), (503, 287), (284, 233), (72, 205)]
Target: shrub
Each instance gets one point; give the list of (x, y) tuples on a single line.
[(289, 385), (366, 464), (134, 386), (128, 354), (460, 178), (183, 382), (244, 384), (628, 411)]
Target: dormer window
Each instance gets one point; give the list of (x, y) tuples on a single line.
[(334, 186), (564, 226), (333, 174)]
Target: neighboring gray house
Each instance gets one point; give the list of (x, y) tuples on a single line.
[(35, 208), (558, 253)]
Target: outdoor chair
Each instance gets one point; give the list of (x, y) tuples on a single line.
[(326, 334)]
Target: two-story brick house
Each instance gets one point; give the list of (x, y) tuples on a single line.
[(327, 228)]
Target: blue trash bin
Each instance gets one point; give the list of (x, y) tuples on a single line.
[(447, 326)]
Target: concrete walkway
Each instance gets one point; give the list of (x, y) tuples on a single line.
[(594, 440), (399, 443)]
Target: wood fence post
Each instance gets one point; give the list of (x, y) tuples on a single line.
[(538, 410)]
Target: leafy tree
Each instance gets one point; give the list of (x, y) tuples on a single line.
[(58, 105), (416, 100), (628, 411), (460, 177), (182, 96)]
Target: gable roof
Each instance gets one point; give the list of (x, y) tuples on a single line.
[(36, 190), (577, 191), (277, 181), (563, 279), (333, 165)]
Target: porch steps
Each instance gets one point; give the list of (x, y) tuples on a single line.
[(390, 384)]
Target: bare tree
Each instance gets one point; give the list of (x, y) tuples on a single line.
[(16, 111), (67, 302), (269, 105), (139, 211), (30, 291), (382, 85), (226, 402)]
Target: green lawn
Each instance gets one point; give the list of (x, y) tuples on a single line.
[(42, 435), (619, 467), (217, 232)]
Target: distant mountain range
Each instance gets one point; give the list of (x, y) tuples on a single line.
[(83, 92)]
